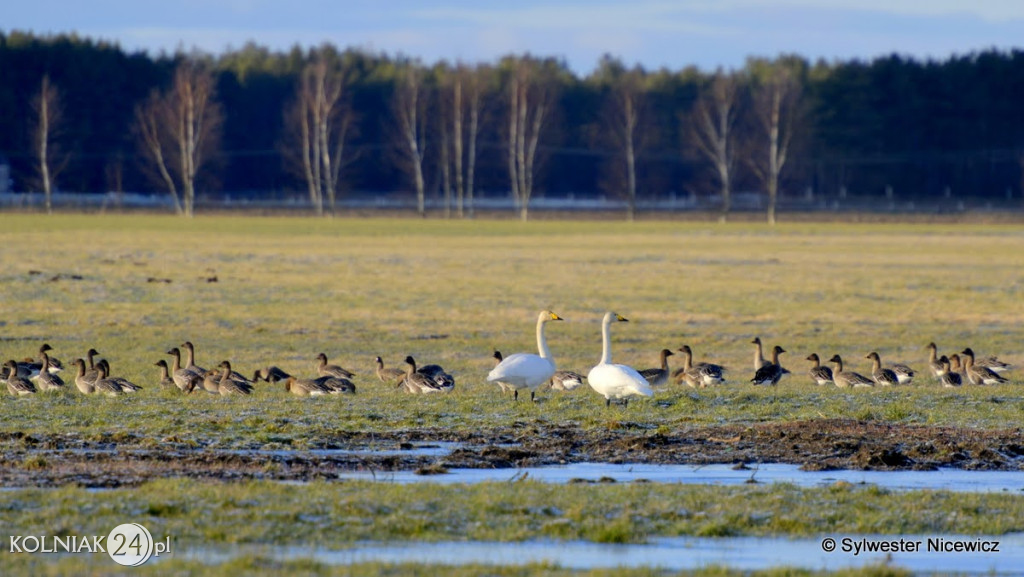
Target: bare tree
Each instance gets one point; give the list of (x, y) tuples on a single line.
[(459, 103), (180, 129), (46, 105), (151, 126), (531, 95), (625, 126), (775, 110), (197, 123), (712, 124), (466, 88), (321, 120), (409, 104)]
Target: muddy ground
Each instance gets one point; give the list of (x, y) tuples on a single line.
[(27, 460)]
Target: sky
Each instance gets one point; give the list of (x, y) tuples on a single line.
[(652, 33)]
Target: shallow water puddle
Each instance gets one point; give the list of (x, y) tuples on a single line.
[(676, 553), (436, 450), (943, 479)]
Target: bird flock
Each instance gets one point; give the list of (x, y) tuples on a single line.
[(92, 377), (513, 373)]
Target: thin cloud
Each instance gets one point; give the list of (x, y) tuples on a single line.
[(987, 10), (651, 16)]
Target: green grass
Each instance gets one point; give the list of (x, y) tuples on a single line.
[(272, 417), (332, 514), (289, 288), (258, 565)]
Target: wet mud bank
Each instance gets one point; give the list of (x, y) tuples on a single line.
[(122, 459)]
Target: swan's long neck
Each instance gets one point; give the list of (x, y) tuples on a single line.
[(606, 341), (542, 342)]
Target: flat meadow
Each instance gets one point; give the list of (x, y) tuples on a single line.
[(262, 291)]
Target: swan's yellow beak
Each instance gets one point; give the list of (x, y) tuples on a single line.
[(555, 317), (621, 318)]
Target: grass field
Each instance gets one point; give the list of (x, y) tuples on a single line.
[(451, 292)]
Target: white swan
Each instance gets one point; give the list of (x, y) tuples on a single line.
[(526, 370), (615, 381)]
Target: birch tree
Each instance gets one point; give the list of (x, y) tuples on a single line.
[(530, 98), (468, 96), (46, 107), (625, 123), (409, 108), (180, 129), (320, 122), (460, 99), (775, 111), (151, 126), (712, 125)]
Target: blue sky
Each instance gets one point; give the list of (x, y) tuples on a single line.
[(653, 33)]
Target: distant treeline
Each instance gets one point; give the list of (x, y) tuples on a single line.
[(892, 126)]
